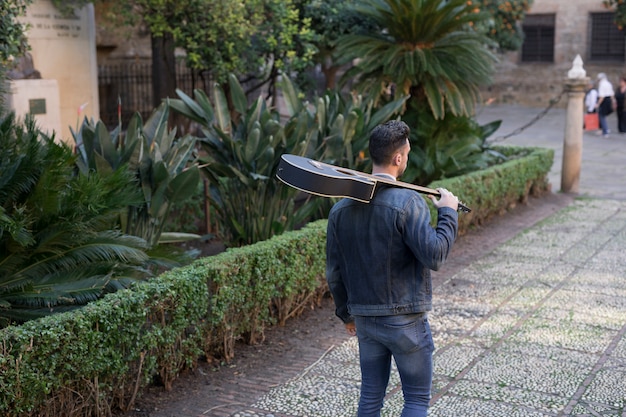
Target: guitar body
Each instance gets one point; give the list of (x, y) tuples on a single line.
[(327, 180), (323, 179)]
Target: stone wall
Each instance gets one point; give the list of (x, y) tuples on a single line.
[(535, 84), (63, 50)]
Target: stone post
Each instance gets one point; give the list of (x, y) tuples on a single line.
[(575, 86)]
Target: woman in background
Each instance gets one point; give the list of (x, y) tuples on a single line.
[(605, 102), (620, 95)]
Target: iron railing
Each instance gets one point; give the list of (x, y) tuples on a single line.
[(127, 88)]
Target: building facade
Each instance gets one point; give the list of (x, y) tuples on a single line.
[(555, 32)]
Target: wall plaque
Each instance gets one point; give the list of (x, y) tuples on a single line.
[(37, 106)]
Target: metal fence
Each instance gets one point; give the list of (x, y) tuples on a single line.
[(125, 89)]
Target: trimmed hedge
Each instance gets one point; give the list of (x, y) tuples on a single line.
[(493, 190), (97, 359)]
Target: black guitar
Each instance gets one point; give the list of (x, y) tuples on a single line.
[(330, 181)]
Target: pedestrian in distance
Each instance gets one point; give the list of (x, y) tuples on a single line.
[(591, 116), (379, 260), (591, 98), (620, 95), (605, 103)]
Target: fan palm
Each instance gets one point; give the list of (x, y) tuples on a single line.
[(57, 246), (427, 49)]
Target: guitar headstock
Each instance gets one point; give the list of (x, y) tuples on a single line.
[(463, 208)]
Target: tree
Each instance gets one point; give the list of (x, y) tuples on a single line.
[(619, 7), (256, 39), (13, 43), (426, 49), (502, 26), (330, 20)]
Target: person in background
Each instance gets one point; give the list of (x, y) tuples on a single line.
[(591, 117), (620, 95), (379, 256), (604, 105), (591, 98)]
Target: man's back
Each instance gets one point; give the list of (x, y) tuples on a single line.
[(384, 250)]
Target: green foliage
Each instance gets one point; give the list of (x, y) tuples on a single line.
[(448, 147), (330, 20), (97, 359), (243, 151), (282, 42), (155, 157), (337, 126), (502, 26), (491, 191), (58, 247), (13, 41), (242, 154), (619, 7), (255, 38), (426, 49)]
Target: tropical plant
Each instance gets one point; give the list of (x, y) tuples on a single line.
[(242, 154), (338, 125), (155, 157), (58, 245), (446, 148), (425, 49)]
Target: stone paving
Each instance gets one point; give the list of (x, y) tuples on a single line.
[(535, 328)]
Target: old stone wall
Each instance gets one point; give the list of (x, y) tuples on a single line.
[(535, 84)]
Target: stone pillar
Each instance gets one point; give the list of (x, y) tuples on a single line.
[(575, 86)]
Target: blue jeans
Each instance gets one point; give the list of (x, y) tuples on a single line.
[(408, 339), (603, 123)]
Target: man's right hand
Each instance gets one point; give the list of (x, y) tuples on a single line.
[(446, 199)]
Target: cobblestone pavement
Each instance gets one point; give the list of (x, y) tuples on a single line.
[(534, 327)]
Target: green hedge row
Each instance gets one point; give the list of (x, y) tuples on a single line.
[(493, 190), (99, 358)]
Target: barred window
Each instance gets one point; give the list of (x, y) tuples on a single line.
[(607, 40), (538, 43)]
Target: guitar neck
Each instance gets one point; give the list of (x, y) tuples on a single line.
[(418, 188), (400, 184)]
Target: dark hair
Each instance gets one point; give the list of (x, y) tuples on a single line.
[(386, 139)]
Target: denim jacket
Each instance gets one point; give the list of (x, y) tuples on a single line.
[(379, 254)]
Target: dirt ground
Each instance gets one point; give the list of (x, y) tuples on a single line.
[(218, 389)]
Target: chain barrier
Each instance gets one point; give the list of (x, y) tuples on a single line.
[(538, 117)]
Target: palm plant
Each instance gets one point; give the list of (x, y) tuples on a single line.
[(449, 147), (58, 247), (427, 49), (159, 161), (338, 126), (242, 152)]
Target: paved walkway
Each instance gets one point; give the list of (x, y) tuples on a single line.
[(603, 173), (536, 327)]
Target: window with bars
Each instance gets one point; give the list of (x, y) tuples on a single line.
[(538, 43), (607, 40)]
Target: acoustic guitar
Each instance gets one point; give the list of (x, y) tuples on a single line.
[(328, 180)]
